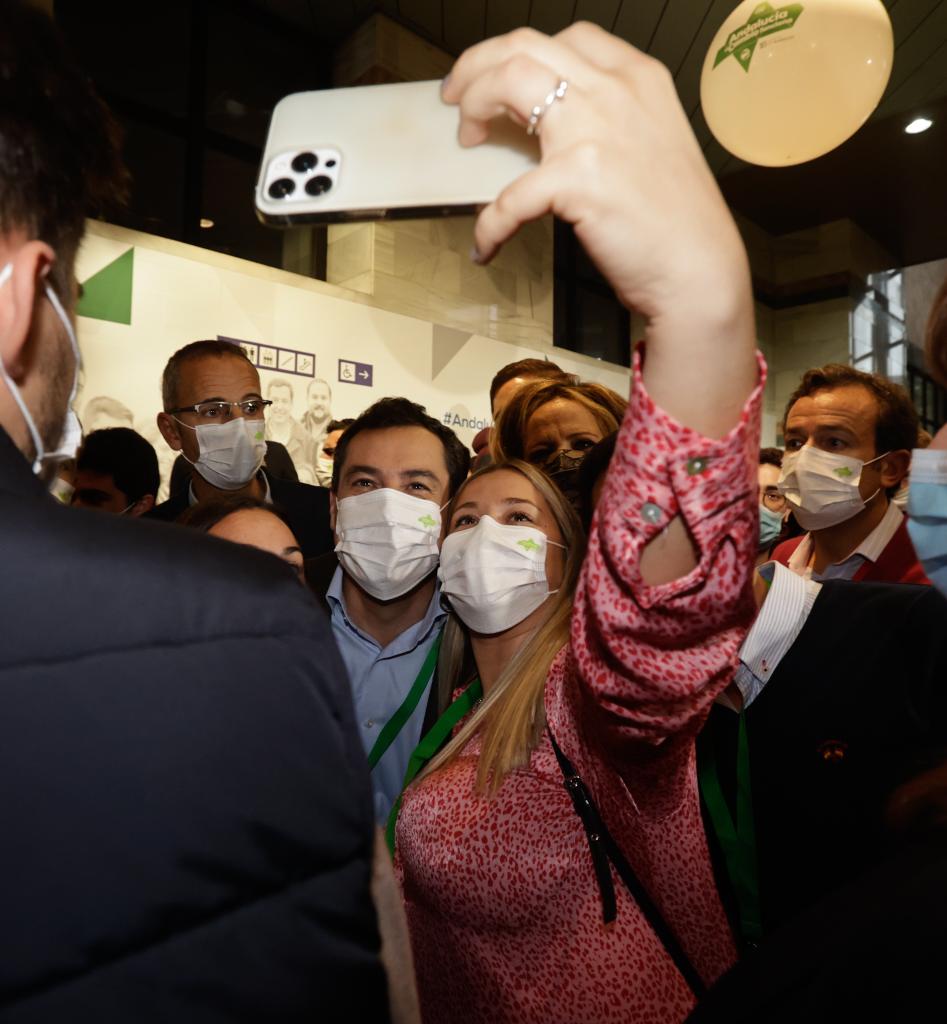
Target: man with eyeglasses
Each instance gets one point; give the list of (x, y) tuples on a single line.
[(773, 506), (214, 416)]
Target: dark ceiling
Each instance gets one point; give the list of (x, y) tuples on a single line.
[(194, 83)]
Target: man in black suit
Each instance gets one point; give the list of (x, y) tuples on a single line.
[(843, 691), (187, 831), (213, 415)]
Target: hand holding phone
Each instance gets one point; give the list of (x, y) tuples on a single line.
[(381, 151), (619, 161)]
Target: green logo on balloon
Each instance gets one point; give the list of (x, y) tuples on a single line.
[(764, 21)]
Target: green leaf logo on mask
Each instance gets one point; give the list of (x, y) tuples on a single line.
[(258, 436), (843, 472), (529, 545), (428, 520), (764, 21)]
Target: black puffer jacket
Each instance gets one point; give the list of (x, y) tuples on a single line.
[(185, 812)]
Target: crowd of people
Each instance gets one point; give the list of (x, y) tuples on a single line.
[(615, 717)]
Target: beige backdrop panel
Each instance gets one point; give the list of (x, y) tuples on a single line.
[(181, 293)]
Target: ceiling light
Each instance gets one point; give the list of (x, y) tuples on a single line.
[(918, 125), (206, 222)]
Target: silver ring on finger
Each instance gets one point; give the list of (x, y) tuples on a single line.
[(539, 112)]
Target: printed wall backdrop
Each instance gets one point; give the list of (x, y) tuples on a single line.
[(320, 356)]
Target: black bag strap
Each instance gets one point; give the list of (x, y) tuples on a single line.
[(605, 851)]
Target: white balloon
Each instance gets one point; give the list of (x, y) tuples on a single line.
[(785, 84)]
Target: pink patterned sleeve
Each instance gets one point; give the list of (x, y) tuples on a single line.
[(649, 660)]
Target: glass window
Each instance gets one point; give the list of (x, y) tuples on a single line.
[(896, 363)]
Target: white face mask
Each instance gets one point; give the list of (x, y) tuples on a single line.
[(387, 540), (230, 453), (495, 575), (70, 436), (62, 490), (822, 488)]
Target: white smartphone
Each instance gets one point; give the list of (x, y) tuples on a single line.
[(381, 151)]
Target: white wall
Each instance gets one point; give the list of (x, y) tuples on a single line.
[(182, 293)]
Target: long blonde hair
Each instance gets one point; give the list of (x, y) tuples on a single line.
[(508, 440), (511, 718)]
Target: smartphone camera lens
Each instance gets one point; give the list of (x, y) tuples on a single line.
[(281, 188), (330, 163), (319, 184), (303, 162)]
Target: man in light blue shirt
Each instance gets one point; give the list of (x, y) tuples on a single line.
[(395, 469)]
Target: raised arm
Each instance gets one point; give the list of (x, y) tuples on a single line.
[(651, 657), (664, 597), (620, 163)]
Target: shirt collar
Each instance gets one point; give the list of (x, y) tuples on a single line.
[(869, 549), (407, 641), (876, 541), (267, 497)]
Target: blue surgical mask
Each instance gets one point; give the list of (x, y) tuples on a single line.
[(927, 513), (771, 524)]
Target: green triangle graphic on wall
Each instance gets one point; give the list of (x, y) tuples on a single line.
[(107, 295)]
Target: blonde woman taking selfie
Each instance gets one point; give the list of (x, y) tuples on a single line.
[(552, 856)]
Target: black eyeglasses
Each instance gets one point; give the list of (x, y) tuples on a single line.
[(774, 500), (250, 407)]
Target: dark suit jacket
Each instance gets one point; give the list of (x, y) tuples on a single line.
[(897, 563), (319, 573), (857, 706), (875, 950), (306, 508), (187, 827)]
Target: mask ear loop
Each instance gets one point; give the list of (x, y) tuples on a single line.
[(5, 276), (868, 463), (564, 548), (190, 462)]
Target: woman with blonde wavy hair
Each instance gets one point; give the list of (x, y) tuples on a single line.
[(552, 857), (510, 718)]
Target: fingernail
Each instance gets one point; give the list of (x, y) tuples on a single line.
[(445, 81), (475, 256)]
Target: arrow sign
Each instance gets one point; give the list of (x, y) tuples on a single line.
[(351, 372)]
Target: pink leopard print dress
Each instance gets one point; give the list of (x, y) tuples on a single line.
[(503, 907)]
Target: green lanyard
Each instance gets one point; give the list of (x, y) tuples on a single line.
[(738, 841), (396, 723), (430, 745)]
